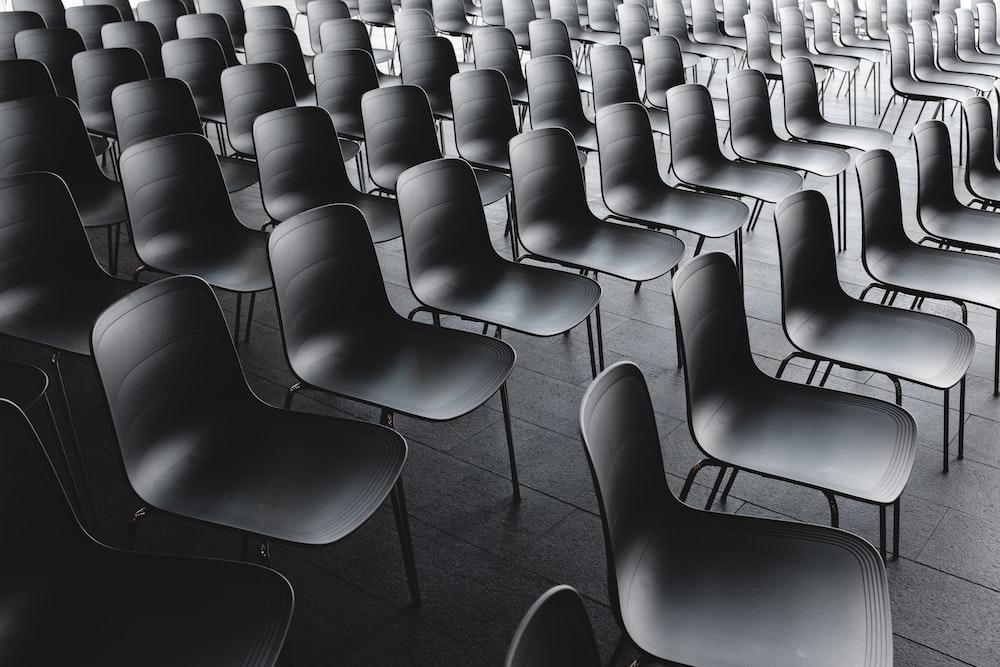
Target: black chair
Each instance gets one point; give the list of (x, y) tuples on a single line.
[(341, 34), (138, 35), (633, 21), (794, 44), (602, 16), (825, 324), (754, 139), (517, 14), (199, 62), (982, 177), (414, 24), (297, 477), (633, 191), (550, 37), (614, 79), (789, 593), (192, 609), (154, 108), (399, 134), (124, 7), (450, 19), (555, 631), (12, 23), (825, 44), (299, 170), (568, 12), (376, 13), (232, 12), (897, 265), (445, 234), (672, 22), (342, 78), (163, 14), (320, 11), (947, 52), (281, 45), (266, 16), (54, 48), (52, 11), (212, 26), (429, 63), (247, 92), (495, 48), (88, 21), (458, 371), (705, 28), (20, 79), (664, 68), (554, 99), (52, 285)]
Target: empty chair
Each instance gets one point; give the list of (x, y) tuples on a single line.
[(449, 18), (825, 44), (412, 24), (982, 177), (97, 72), (875, 23), (320, 11), (550, 37), (671, 19), (987, 37), (965, 39), (897, 15), (266, 16), (733, 12), (758, 47), (183, 222), (602, 16), (424, 371), (212, 26), (163, 14), (634, 21), (232, 12), (302, 478), (568, 12), (249, 91), (677, 552), (849, 35), (429, 63), (88, 21), (198, 62), (138, 35), (554, 99), (948, 58), (12, 23), (376, 13), (794, 45), (925, 68), (280, 45), (898, 265), (154, 108), (54, 48), (445, 234), (124, 7), (88, 593), (484, 119), (20, 79), (614, 78), (517, 14), (52, 11), (492, 12), (705, 27), (495, 48), (350, 34), (297, 155), (555, 630), (342, 78), (904, 345)]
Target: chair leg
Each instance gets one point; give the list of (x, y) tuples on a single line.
[(236, 323), (947, 409), (505, 403), (996, 358), (881, 531), (715, 487), (834, 512), (405, 540), (695, 469), (74, 486), (895, 530), (961, 419), (246, 335), (784, 363), (590, 344), (88, 499), (600, 335)]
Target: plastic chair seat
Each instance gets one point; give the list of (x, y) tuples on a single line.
[(932, 92), (706, 215), (22, 384), (985, 186), (592, 36), (102, 204), (956, 66), (851, 445), (236, 262), (381, 213), (457, 28), (237, 173), (839, 63), (724, 41), (856, 53), (837, 134), (707, 50), (791, 594), (584, 133), (761, 181), (817, 159), (100, 122), (967, 227), (933, 351), (853, 41), (978, 82), (971, 278)]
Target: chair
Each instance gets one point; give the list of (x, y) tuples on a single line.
[(183, 222), (568, 12), (199, 62), (232, 12), (12, 23), (429, 64), (766, 9), (633, 20), (145, 110), (52, 11), (495, 48), (897, 265), (320, 11), (614, 78), (212, 26), (875, 24), (987, 43), (376, 13), (449, 18), (794, 45), (341, 34), (517, 14), (554, 99), (672, 22), (342, 78), (849, 35), (484, 119), (20, 79), (705, 27), (54, 48), (825, 44), (965, 38), (138, 35), (633, 191), (758, 47), (163, 14), (947, 52), (266, 16), (424, 371), (302, 478), (299, 170), (823, 323), (247, 92), (982, 177), (413, 24), (281, 46), (97, 73), (445, 234), (88, 21), (555, 631), (733, 12), (549, 37), (897, 15), (124, 7), (925, 69), (492, 11), (88, 593), (602, 16), (773, 572)]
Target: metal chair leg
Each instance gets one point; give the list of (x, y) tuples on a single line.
[(134, 525), (729, 485), (961, 419), (881, 531), (947, 409), (590, 344), (405, 539), (834, 512), (715, 487), (88, 499), (695, 469), (505, 403), (74, 485), (895, 530), (246, 335), (290, 394), (236, 323)]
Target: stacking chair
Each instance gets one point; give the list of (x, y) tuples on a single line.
[(429, 63), (549, 37), (517, 14), (948, 58), (88, 21), (965, 39), (664, 69), (672, 22), (678, 552), (825, 44), (423, 371), (89, 593), (301, 478), (633, 19), (875, 24), (925, 68), (760, 57), (698, 162), (449, 18), (921, 10), (20, 79), (754, 139), (47, 134), (351, 34), (266, 16), (163, 14), (634, 192), (212, 26), (51, 285), (982, 177), (849, 35), (54, 48), (897, 265), (568, 12), (319, 11), (554, 99), (413, 24), (766, 9), (614, 77), (146, 110), (376, 13), (52, 11), (138, 35), (555, 631), (124, 7), (12, 23), (281, 45), (705, 28), (342, 78), (247, 92), (299, 170), (199, 62), (733, 12), (931, 351), (897, 15), (794, 45), (445, 234), (232, 12), (987, 36)]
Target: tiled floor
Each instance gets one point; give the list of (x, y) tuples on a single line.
[(483, 560)]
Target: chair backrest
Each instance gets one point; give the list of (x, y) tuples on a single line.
[(553, 92), (549, 37), (449, 12), (897, 15), (338, 34), (88, 20), (613, 75), (54, 48), (399, 132), (318, 11), (704, 20), (53, 12), (921, 10), (492, 12), (212, 26), (232, 12), (799, 89), (428, 62), (376, 12), (517, 14), (948, 7), (793, 33), (495, 48), (20, 79), (602, 15), (881, 206), (987, 25), (694, 138), (483, 110), (99, 71), (124, 7), (923, 47), (342, 78), (625, 143), (163, 14), (426, 5), (267, 16), (664, 67), (249, 91), (758, 39), (980, 145), (298, 155), (139, 35), (171, 376), (823, 28), (413, 23), (766, 9), (153, 108), (198, 62), (750, 118), (671, 20), (280, 45), (542, 9), (12, 23), (633, 21), (733, 12), (875, 21), (899, 59), (935, 172), (566, 11), (555, 631), (848, 21), (548, 182), (946, 47), (965, 31)]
